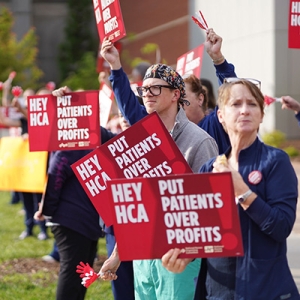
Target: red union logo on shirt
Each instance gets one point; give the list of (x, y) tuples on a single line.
[(294, 24)]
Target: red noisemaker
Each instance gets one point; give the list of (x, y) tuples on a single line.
[(16, 91), (270, 100), (87, 274), (200, 21)]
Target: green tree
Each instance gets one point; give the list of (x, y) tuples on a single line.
[(79, 37), (86, 76), (19, 56)]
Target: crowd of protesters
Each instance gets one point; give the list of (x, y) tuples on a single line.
[(202, 129)]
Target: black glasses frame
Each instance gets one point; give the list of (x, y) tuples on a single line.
[(145, 89)]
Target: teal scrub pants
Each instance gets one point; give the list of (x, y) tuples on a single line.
[(153, 282)]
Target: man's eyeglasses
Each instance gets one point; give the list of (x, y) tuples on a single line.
[(155, 90), (234, 79)]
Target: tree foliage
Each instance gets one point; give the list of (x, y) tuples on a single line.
[(79, 37), (86, 76), (19, 56)]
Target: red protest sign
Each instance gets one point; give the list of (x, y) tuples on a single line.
[(109, 19), (294, 24), (64, 123), (145, 149), (134, 85), (106, 97), (191, 62), (194, 212)]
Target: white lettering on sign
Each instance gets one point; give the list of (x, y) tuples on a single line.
[(98, 15), (96, 3), (295, 7), (119, 145), (192, 65), (38, 111), (162, 169), (106, 14), (39, 119), (192, 202), (127, 192), (89, 167), (67, 123), (180, 63), (186, 218), (295, 20), (38, 104), (111, 25), (64, 100), (129, 155), (98, 184), (181, 215), (190, 56), (194, 235), (131, 213), (173, 186), (74, 111), (73, 134), (105, 3)]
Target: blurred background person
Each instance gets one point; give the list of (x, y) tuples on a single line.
[(209, 90), (196, 97)]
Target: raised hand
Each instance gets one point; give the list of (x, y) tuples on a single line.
[(213, 44), (110, 53), (61, 91), (290, 103)]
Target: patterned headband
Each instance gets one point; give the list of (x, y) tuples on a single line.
[(167, 74)]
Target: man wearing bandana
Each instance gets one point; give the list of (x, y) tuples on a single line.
[(162, 91)]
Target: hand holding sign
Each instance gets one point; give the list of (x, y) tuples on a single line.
[(200, 21), (172, 261)]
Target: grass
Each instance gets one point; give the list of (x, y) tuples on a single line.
[(32, 285)]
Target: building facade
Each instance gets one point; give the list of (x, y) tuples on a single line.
[(255, 39)]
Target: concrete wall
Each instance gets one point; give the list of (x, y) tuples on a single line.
[(49, 21)]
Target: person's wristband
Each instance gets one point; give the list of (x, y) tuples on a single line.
[(218, 60)]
